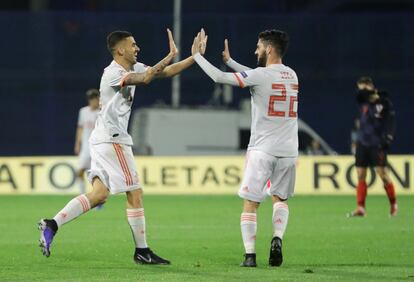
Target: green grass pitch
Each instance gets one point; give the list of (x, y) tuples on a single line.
[(201, 236)]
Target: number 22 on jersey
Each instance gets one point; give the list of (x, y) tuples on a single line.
[(282, 99)]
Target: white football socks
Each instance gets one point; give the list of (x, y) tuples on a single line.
[(280, 219), (136, 220), (72, 210), (248, 226)]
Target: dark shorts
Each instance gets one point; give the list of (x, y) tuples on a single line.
[(366, 156)]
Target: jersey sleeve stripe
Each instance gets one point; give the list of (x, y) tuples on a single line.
[(294, 86), (239, 80), (122, 83)]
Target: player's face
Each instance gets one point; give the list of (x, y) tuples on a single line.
[(261, 54), (94, 103), (130, 49)]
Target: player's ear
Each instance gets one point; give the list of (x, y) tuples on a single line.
[(120, 51), (269, 49)]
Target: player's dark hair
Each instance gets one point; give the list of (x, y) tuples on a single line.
[(365, 80), (114, 37), (92, 93), (277, 38)]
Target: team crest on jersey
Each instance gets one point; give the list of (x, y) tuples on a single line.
[(244, 74)]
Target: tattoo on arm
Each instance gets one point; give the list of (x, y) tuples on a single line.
[(176, 68), (134, 79), (148, 76), (161, 64)]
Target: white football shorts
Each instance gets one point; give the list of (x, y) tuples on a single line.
[(114, 165), (260, 168)]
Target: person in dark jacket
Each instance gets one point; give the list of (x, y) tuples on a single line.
[(374, 137)]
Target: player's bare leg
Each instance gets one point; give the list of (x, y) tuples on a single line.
[(361, 193), (279, 219), (136, 220), (389, 189), (96, 192), (248, 225), (76, 207), (99, 193)]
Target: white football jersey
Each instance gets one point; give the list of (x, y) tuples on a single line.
[(86, 119), (274, 90), (115, 102)]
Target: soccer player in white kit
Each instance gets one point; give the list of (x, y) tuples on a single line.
[(113, 166), (273, 148), (86, 123)]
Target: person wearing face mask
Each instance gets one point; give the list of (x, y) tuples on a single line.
[(374, 137)]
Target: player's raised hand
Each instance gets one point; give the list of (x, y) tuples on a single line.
[(173, 48), (203, 41), (199, 43), (226, 51), (195, 48)]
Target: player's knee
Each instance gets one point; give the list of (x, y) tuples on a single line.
[(362, 175), (134, 198), (276, 199), (136, 202), (381, 173), (102, 198), (250, 206), (97, 198), (384, 177)]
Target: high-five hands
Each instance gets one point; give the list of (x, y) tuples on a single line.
[(173, 49), (226, 51), (199, 43), (161, 65)]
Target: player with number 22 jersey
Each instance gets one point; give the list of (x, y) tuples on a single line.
[(273, 148)]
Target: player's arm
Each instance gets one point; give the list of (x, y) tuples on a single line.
[(178, 67), (229, 61), (152, 72), (243, 79), (216, 74)]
